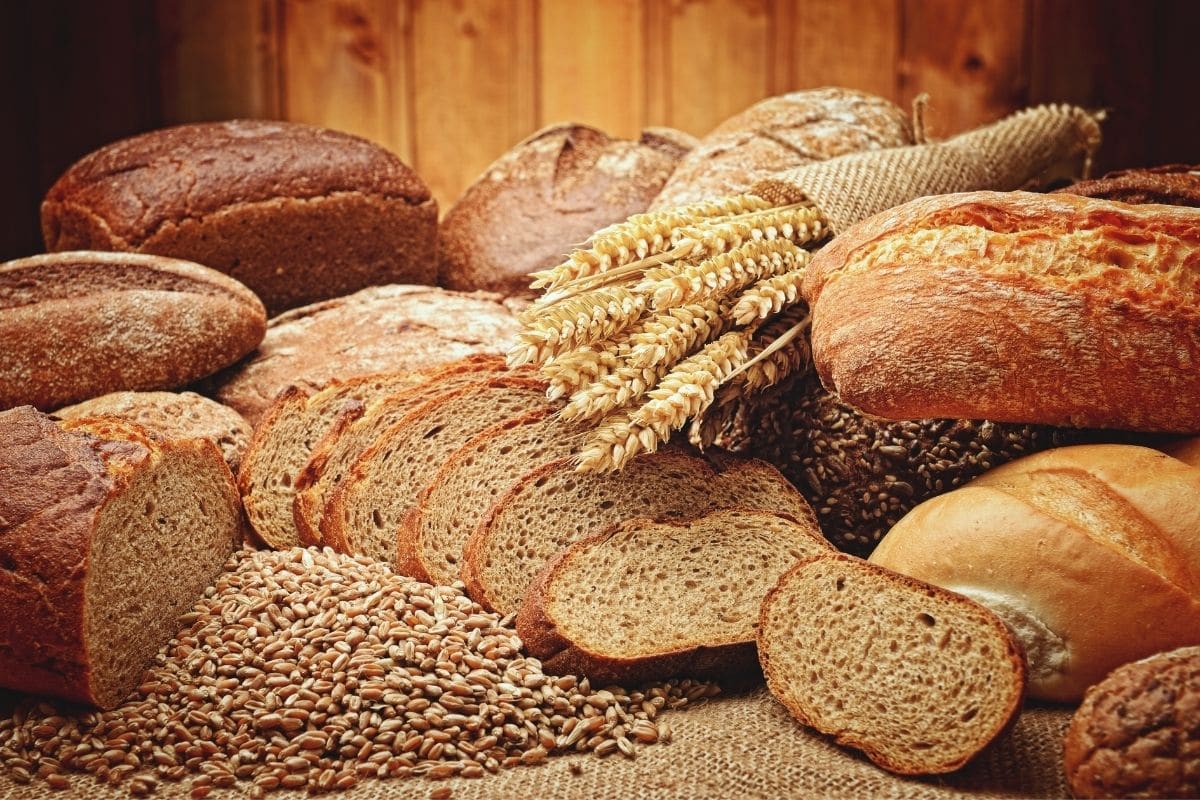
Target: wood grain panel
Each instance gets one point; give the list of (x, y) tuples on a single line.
[(969, 57), (475, 87), (594, 64), (219, 59), (345, 67), (814, 40)]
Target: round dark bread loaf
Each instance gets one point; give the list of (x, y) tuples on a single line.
[(1137, 732), (81, 324), (547, 195), (296, 213), (1170, 184)]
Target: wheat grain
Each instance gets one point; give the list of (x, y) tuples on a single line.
[(614, 442), (691, 386), (779, 350), (613, 390), (590, 318), (770, 295), (720, 275), (672, 335)]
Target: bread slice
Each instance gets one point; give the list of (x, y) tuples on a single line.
[(344, 442), (919, 678), (451, 505), (107, 534), (650, 600), (552, 506), (364, 513)]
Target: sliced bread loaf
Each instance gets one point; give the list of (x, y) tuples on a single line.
[(650, 600), (553, 506), (107, 534), (449, 508), (364, 513), (919, 678), (344, 442)]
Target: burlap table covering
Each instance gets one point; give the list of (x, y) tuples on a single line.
[(738, 746)]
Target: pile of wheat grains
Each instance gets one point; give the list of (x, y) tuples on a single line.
[(307, 669)]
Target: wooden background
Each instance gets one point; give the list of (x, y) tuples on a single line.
[(450, 84)]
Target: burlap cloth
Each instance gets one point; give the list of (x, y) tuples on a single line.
[(738, 746)]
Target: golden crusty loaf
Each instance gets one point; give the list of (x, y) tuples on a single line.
[(107, 534), (295, 212), (1136, 734), (1017, 307), (81, 324), (545, 196), (649, 600), (1090, 553), (918, 678)]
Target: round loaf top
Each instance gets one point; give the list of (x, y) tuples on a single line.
[(138, 184)]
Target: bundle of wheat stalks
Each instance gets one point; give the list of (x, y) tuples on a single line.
[(673, 316)]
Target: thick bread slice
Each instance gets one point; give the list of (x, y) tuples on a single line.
[(919, 678), (107, 533), (650, 600), (364, 513), (436, 529), (552, 506), (343, 443)]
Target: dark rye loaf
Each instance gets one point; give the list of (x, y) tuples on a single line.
[(296, 213)]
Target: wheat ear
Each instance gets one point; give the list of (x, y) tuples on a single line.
[(615, 441), (771, 295)]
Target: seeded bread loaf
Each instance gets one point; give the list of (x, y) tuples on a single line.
[(780, 133), (1136, 732), (1090, 553), (435, 531), (81, 324), (1171, 184), (174, 415), (296, 213), (545, 196), (107, 534), (650, 600), (1090, 309), (364, 514), (553, 505), (918, 678), (381, 329)]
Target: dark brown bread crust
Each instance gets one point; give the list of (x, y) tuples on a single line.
[(1137, 733), (1170, 184), (1102, 331), (297, 213), (82, 324), (546, 196)]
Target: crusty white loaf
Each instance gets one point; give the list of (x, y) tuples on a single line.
[(1015, 307), (1090, 553)]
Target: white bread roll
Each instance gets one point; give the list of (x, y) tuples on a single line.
[(1091, 554)]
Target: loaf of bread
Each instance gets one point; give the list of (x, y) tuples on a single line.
[(296, 213), (918, 678), (1014, 307), (545, 196), (1170, 184), (649, 600), (1090, 553), (780, 133), (174, 415), (107, 534), (381, 329), (78, 325), (1136, 734)]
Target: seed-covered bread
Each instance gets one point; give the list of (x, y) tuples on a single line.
[(553, 505), (107, 534), (364, 514), (918, 678), (649, 600), (176, 415), (346, 440), (451, 506), (1169, 184), (1137, 732)]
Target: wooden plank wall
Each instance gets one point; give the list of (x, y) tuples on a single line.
[(451, 84)]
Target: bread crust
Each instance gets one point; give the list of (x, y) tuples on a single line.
[(1169, 184), (81, 324), (1015, 307)]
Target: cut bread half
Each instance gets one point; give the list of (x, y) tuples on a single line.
[(451, 505), (365, 511), (331, 458), (552, 506), (919, 678), (650, 600)]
